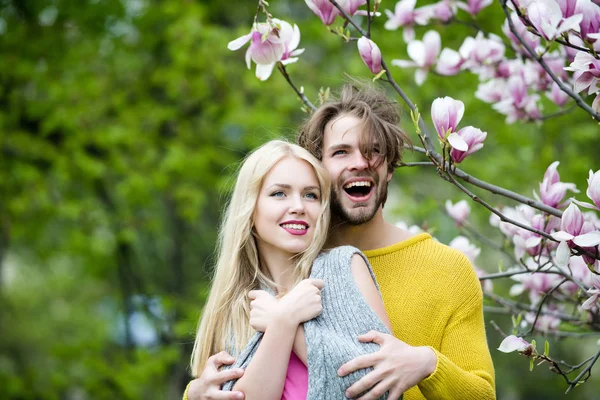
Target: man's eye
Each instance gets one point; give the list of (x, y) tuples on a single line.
[(338, 152), (278, 194)]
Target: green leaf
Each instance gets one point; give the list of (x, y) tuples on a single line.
[(379, 75), (546, 348)]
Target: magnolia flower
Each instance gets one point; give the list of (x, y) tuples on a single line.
[(531, 39), (351, 6), (462, 244), (269, 45), (324, 9), (459, 211), (574, 228), (588, 68), (552, 190), (590, 21), (443, 10), (474, 138), (423, 54), (446, 113), (370, 54), (473, 7), (567, 7), (593, 190), (405, 16), (595, 294), (557, 96), (547, 18), (513, 343)]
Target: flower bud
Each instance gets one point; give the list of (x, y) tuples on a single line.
[(370, 54)]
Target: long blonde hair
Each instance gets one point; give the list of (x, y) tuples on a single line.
[(226, 313)]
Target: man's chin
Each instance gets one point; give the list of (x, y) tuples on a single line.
[(357, 214)]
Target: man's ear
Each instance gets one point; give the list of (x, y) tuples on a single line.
[(389, 176)]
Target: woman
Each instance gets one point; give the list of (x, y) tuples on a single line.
[(263, 307)]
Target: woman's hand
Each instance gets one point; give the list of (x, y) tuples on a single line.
[(303, 302), (263, 308)]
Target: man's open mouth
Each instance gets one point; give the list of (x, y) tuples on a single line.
[(359, 189)]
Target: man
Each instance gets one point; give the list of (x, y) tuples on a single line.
[(431, 293)]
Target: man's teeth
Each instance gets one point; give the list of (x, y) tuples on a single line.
[(358, 183), (294, 226)]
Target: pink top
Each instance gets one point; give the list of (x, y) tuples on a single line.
[(296, 380)]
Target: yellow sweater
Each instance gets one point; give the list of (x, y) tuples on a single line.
[(433, 298)]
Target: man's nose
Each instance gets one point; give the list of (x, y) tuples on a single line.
[(359, 162)]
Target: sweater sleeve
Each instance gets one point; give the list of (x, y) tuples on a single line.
[(464, 369)]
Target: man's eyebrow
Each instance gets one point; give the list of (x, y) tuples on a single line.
[(339, 146)]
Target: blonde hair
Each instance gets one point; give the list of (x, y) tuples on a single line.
[(226, 314)]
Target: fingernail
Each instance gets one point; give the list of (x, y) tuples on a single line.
[(340, 372)]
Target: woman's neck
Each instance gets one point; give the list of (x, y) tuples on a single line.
[(279, 264)]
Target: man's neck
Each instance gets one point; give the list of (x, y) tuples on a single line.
[(373, 234)]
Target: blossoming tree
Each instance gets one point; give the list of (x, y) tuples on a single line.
[(549, 50)]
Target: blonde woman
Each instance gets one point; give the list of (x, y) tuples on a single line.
[(288, 311)]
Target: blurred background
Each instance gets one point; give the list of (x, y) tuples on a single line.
[(121, 125)]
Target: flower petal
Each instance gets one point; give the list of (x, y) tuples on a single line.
[(587, 239), (457, 142), (512, 343), (239, 42)]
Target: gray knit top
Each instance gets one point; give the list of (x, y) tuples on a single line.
[(331, 338)]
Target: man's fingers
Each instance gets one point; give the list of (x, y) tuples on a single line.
[(363, 384), (372, 336), (377, 391), (364, 361), (319, 283), (395, 393), (220, 359)]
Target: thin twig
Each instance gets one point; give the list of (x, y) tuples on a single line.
[(539, 310), (302, 96), (587, 370)]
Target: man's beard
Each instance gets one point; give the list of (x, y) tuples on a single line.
[(354, 216)]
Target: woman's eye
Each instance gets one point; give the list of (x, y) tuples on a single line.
[(312, 196), (277, 194)]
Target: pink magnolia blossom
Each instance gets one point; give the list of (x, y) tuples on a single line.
[(474, 138), (547, 18), (446, 113), (473, 7), (593, 190), (576, 230), (545, 322), (587, 69), (594, 293), (423, 54), (552, 190), (324, 9), (442, 11), (405, 16), (557, 96), (370, 54), (463, 244), (459, 212), (590, 22), (531, 39), (567, 7), (351, 6), (513, 343), (269, 45), (518, 103)]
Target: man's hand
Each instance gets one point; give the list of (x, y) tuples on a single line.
[(396, 367), (208, 385), (262, 309)]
